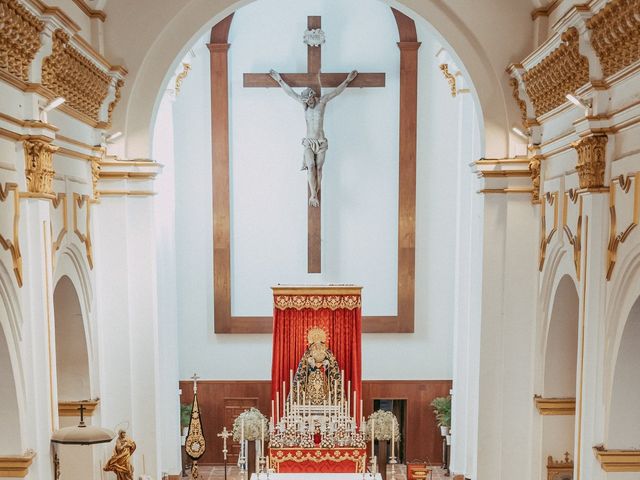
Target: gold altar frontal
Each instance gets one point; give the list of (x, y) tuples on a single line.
[(318, 460)]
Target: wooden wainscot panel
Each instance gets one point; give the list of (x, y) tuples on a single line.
[(555, 406), (16, 466), (617, 460)]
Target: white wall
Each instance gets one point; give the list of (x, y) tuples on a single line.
[(268, 204)]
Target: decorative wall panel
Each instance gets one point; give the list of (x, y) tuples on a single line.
[(19, 38)]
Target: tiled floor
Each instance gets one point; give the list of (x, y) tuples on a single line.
[(233, 473)]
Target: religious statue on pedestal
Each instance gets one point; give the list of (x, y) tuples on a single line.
[(315, 143), (120, 461), (318, 373)]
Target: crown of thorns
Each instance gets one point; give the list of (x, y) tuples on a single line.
[(307, 93)]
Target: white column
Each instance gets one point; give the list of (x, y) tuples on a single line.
[(40, 415), (590, 403), (508, 312)]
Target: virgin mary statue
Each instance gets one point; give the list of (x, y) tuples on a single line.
[(318, 373)]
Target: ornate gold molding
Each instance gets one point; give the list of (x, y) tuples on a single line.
[(555, 406), (575, 240), (591, 160), (451, 78), (522, 105), (617, 460), (316, 302), (181, 76), (96, 167), (615, 35), (90, 12), (559, 73), (534, 170), (557, 468), (551, 200), (80, 201), (16, 466), (61, 199), (116, 100), (71, 75), (38, 153), (13, 246), (616, 238), (19, 39), (72, 408)]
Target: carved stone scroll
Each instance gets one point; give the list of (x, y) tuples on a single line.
[(591, 160), (534, 170), (19, 38), (522, 105), (562, 71), (615, 35), (39, 165), (71, 75)]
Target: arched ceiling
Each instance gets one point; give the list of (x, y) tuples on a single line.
[(149, 37)]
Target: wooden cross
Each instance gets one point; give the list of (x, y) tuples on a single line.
[(314, 79)]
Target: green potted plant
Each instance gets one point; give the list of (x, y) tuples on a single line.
[(185, 419), (442, 410)]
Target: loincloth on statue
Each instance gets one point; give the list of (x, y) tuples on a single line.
[(316, 145)]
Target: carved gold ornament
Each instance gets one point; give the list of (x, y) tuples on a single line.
[(559, 469), (316, 302), (534, 170), (617, 460), (195, 444), (615, 35), (575, 240), (549, 200), (559, 73), (19, 38), (618, 237), (13, 245), (96, 168), (181, 76), (61, 199), (591, 160), (555, 406), (116, 100), (38, 155), (451, 78), (521, 103), (80, 201), (71, 75)]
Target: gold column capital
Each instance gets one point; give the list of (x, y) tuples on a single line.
[(39, 171)]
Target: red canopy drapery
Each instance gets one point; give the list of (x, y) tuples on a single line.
[(336, 309)]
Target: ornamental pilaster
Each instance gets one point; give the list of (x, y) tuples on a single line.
[(591, 160), (39, 171)]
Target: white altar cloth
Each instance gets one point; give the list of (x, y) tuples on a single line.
[(317, 476)]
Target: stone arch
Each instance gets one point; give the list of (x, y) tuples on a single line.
[(196, 17), (623, 430), (72, 356), (560, 354), (11, 379)]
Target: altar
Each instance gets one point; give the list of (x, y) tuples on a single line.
[(316, 419), (317, 476)]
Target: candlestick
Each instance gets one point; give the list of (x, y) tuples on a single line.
[(373, 436), (272, 410), (290, 379), (278, 407), (393, 435), (355, 406), (242, 431), (262, 432), (349, 398), (284, 398)]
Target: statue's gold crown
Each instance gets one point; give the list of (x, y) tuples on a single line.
[(317, 335)]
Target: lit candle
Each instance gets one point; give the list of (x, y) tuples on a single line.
[(393, 439), (277, 406), (355, 406), (272, 410), (242, 432), (284, 398), (349, 399), (290, 379), (262, 434)]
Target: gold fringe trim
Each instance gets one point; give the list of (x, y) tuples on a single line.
[(316, 302)]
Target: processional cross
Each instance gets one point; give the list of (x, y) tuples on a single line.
[(315, 80)]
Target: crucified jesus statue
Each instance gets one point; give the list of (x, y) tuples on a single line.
[(315, 143)]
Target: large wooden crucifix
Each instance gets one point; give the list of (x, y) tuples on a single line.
[(315, 80)]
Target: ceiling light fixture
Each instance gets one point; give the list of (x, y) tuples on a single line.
[(579, 102), (47, 107), (520, 133), (113, 136)]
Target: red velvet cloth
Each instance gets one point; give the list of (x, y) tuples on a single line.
[(290, 329), (318, 460)]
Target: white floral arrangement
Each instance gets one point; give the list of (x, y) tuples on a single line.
[(254, 420), (383, 426)]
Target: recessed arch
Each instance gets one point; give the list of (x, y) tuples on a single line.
[(194, 19), (624, 414), (72, 358)]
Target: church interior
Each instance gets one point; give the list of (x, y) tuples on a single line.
[(320, 239)]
